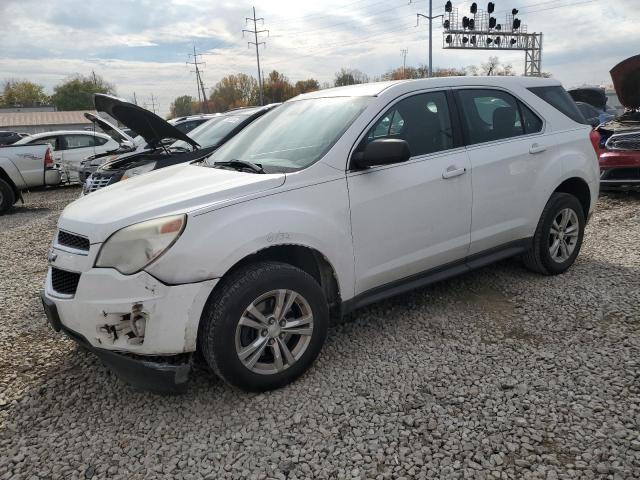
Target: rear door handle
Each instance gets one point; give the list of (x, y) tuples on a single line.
[(537, 148), (452, 171)]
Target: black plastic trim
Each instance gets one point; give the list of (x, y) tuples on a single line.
[(437, 274)]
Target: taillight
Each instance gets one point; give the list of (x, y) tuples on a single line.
[(48, 159), (594, 136)]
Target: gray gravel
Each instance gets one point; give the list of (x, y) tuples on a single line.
[(497, 374)]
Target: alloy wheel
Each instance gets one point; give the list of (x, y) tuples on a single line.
[(563, 235), (274, 331)]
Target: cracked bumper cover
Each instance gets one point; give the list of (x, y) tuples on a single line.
[(151, 374), (106, 298)]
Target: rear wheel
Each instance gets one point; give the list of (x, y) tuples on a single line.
[(7, 197), (265, 326), (558, 237)]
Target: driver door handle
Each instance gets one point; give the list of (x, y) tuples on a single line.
[(452, 171), (537, 148)]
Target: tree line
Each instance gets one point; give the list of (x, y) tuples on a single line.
[(232, 91), (74, 93)]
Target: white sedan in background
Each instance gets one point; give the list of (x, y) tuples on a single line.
[(71, 147)]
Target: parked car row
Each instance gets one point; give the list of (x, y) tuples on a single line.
[(328, 202), (619, 135), (8, 138)]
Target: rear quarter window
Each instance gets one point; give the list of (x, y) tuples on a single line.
[(557, 97)]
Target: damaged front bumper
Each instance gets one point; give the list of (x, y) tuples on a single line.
[(142, 328), (151, 373)]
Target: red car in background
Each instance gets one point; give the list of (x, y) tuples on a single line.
[(619, 142)]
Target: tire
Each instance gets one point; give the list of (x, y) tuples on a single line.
[(7, 197), (222, 338), (539, 257)]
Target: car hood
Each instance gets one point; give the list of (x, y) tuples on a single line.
[(110, 129), (169, 191), (626, 81), (594, 96), (147, 124)]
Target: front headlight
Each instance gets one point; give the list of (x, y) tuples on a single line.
[(132, 172), (132, 248)]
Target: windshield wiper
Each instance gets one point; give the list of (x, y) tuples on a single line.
[(240, 165)]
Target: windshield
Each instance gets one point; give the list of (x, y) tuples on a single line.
[(294, 135), (211, 132)]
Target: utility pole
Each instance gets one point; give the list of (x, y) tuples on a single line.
[(202, 100), (404, 52), (429, 17), (255, 32), (153, 103)]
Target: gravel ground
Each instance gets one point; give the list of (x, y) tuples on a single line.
[(496, 374)]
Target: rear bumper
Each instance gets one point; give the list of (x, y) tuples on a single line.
[(52, 176), (150, 373)]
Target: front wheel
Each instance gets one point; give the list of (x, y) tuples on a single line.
[(558, 237), (265, 326)]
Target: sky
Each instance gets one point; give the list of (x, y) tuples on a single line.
[(142, 46)]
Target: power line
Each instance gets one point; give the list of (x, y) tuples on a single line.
[(199, 85), (255, 32)]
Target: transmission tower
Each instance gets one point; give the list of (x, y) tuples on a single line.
[(152, 102), (404, 52), (255, 32), (202, 100)]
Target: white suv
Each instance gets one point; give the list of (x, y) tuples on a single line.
[(334, 200)]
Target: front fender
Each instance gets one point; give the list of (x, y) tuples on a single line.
[(315, 216)]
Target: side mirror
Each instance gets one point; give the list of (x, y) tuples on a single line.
[(383, 151)]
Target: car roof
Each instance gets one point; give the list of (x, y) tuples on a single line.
[(69, 132), (377, 88)]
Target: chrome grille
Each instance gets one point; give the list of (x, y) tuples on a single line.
[(63, 282), (94, 183), (624, 141), (73, 241)]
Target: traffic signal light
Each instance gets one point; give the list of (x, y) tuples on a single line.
[(473, 40), (492, 22), (472, 24), (514, 11), (499, 27), (497, 41), (474, 8), (446, 24), (448, 39), (513, 41), (516, 23), (491, 7), (465, 22), (448, 7), (489, 41), (465, 40)]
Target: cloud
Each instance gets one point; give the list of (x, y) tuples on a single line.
[(142, 46)]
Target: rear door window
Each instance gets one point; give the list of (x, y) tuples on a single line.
[(490, 115), (79, 141), (557, 97)]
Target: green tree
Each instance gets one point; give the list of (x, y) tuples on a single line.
[(277, 88), (182, 106), (309, 85), (76, 93), (23, 93), (233, 91), (348, 76)]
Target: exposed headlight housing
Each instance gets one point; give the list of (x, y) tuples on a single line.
[(135, 171), (132, 248)]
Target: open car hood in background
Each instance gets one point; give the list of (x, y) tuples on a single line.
[(111, 130), (626, 81), (594, 96), (147, 124)]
